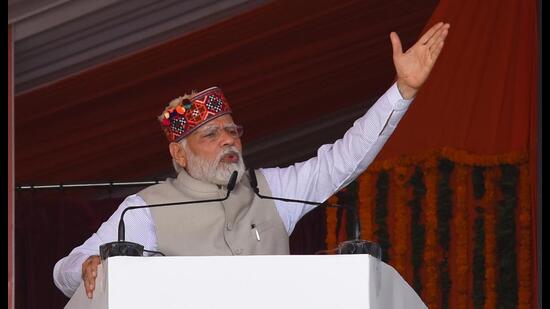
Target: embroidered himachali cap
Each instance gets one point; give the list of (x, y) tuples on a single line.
[(183, 116)]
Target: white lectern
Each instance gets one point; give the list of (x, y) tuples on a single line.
[(255, 282)]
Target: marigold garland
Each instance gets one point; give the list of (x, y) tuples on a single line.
[(341, 217), (366, 201), (423, 231), (431, 252), (341, 224), (401, 219), (331, 240), (460, 242), (457, 156)]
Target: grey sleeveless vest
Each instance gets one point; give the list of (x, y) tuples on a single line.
[(241, 225)]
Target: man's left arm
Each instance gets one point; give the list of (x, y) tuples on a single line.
[(338, 164)]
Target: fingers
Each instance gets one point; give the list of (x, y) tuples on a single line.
[(89, 274), (430, 33), (396, 44), (438, 36), (436, 45)]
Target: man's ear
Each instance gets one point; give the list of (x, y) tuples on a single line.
[(178, 154)]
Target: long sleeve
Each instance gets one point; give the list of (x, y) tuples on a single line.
[(338, 164), (67, 272), (334, 167)]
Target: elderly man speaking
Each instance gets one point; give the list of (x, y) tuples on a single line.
[(205, 146)]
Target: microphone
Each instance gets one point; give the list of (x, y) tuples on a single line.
[(126, 248), (254, 185)]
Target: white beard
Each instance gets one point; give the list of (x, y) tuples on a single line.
[(216, 171)]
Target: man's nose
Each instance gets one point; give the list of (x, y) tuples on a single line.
[(226, 139)]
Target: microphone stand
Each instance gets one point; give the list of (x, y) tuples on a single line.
[(127, 248), (354, 246)]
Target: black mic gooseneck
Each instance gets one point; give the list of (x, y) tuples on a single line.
[(355, 246), (254, 185), (126, 248)]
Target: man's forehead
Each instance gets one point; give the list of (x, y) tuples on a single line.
[(220, 121)]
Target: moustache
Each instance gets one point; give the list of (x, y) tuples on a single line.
[(229, 155)]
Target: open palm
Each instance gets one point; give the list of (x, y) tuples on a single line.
[(414, 66)]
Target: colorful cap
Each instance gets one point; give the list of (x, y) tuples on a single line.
[(183, 116)]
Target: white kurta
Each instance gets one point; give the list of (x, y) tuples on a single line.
[(334, 167)]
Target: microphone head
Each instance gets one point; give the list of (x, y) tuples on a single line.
[(120, 248), (253, 180), (232, 181)]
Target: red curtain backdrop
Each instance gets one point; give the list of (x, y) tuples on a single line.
[(482, 94), (480, 98), (281, 65)]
